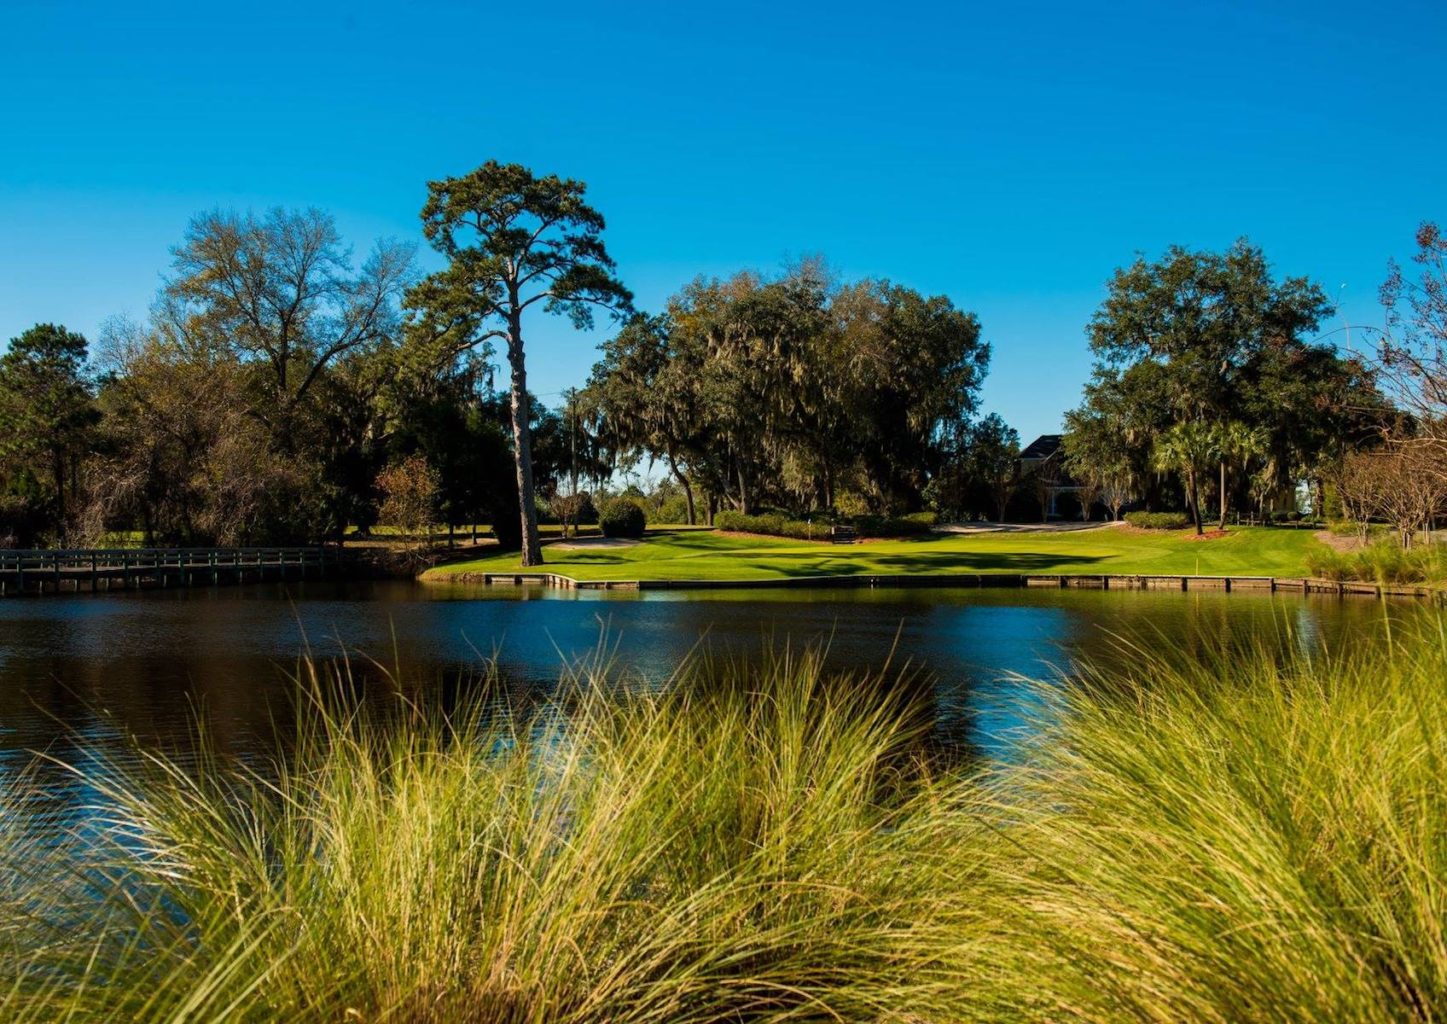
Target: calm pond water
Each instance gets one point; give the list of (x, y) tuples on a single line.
[(78, 672)]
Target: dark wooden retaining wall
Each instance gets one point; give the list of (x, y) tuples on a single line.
[(1088, 581)]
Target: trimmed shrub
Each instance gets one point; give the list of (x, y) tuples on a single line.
[(622, 518), (903, 526), (507, 528), (1158, 520), (589, 512), (775, 524), (772, 524)]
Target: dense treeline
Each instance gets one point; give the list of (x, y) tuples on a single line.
[(1210, 387), (283, 390), (797, 392), (1207, 381), (272, 384)]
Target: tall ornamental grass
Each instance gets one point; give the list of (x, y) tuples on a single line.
[(742, 845), (1242, 837), (1383, 561), (1249, 836)]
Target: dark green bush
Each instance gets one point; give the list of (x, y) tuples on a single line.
[(588, 513), (772, 524), (622, 518), (507, 530), (1158, 520), (904, 526), (22, 519), (776, 524)]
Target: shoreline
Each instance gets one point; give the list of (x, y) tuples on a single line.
[(998, 580)]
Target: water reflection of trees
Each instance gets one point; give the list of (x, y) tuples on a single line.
[(94, 677)]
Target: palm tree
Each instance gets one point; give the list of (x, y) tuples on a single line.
[(1187, 447), (1236, 445)]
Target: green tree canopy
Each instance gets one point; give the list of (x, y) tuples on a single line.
[(47, 413), (1188, 448), (513, 241), (1214, 338), (793, 390)]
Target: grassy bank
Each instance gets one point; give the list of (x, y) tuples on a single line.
[(1248, 839), (703, 555)]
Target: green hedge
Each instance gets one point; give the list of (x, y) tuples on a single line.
[(1158, 520), (622, 518), (773, 524), (903, 526)]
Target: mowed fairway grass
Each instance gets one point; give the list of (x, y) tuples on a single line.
[(696, 554)]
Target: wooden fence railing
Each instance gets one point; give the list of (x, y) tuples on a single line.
[(39, 571)]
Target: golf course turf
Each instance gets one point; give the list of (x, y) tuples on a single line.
[(697, 554)]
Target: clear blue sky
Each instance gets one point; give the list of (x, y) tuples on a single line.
[(1009, 156)]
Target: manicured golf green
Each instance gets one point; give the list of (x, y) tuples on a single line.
[(674, 554)]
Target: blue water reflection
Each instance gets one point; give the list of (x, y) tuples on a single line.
[(77, 672)]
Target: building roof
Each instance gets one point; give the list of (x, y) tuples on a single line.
[(1043, 447)]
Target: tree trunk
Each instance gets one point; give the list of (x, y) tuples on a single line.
[(58, 470), (687, 491), (1223, 494), (1193, 498), (522, 437), (743, 491)]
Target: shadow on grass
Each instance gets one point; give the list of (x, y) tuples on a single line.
[(716, 557), (937, 562)]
